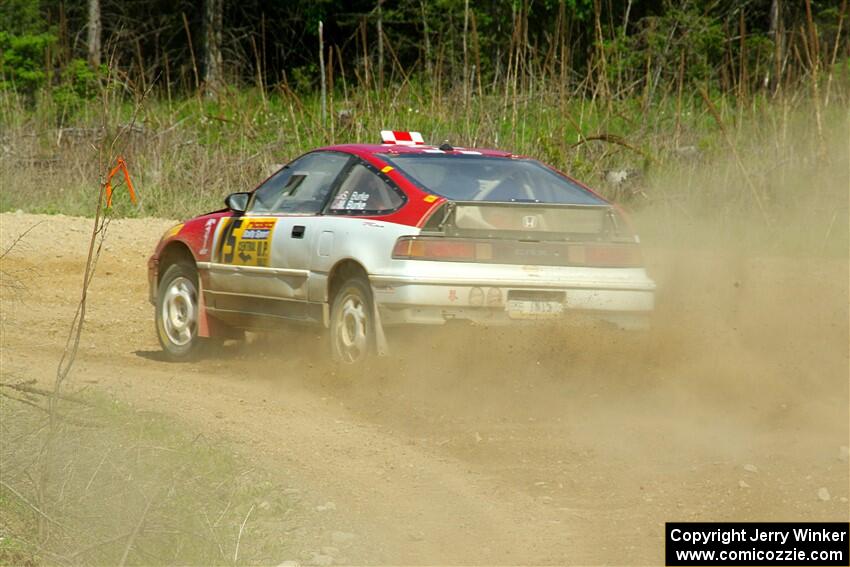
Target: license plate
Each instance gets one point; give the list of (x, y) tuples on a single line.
[(528, 309)]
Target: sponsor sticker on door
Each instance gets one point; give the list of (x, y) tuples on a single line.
[(247, 242)]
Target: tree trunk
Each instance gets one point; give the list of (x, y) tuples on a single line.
[(429, 71), (776, 34), (212, 46), (465, 57), (94, 32), (322, 73), (380, 47)]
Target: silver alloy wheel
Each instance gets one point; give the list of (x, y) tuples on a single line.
[(179, 310), (351, 328)]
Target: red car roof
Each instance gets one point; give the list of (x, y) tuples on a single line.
[(372, 149)]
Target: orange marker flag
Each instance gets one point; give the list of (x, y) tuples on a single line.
[(120, 165)]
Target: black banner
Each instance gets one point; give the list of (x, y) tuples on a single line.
[(757, 543)]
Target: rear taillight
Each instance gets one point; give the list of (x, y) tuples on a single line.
[(440, 248), (606, 255), (589, 254)]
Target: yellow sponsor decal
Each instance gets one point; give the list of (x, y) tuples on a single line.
[(386, 169), (430, 198), (173, 231), (247, 241)]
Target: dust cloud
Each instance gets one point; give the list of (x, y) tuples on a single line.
[(547, 445), (745, 369)]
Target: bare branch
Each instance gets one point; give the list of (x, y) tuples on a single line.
[(30, 504), (23, 387), (239, 537), (18, 239), (135, 534)]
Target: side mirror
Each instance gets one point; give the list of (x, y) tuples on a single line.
[(237, 202)]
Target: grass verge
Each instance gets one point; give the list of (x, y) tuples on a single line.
[(132, 488)]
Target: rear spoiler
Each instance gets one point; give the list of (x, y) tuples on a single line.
[(529, 221)]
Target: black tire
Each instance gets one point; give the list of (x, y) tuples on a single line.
[(352, 323), (177, 313)]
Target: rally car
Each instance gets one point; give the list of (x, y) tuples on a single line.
[(358, 238)]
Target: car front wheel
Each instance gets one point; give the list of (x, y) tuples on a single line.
[(352, 324), (177, 312)]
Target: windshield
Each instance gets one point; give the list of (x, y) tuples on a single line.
[(479, 178)]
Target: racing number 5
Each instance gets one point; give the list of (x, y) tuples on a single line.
[(228, 241)]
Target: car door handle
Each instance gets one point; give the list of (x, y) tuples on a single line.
[(298, 231)]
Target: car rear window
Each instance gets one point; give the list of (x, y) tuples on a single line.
[(495, 179)]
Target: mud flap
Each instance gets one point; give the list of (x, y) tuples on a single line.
[(209, 327), (381, 345), (203, 320)]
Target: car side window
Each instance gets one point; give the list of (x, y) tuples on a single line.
[(269, 192), (302, 186), (363, 192)]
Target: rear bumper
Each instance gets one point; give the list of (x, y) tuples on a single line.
[(624, 298)]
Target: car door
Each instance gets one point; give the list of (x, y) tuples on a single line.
[(343, 232), (300, 206), (260, 264)]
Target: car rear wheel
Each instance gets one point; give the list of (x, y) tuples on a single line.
[(177, 312), (352, 324)]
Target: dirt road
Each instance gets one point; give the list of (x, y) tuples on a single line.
[(567, 446)]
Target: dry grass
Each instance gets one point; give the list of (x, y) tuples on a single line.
[(126, 487), (186, 155)]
